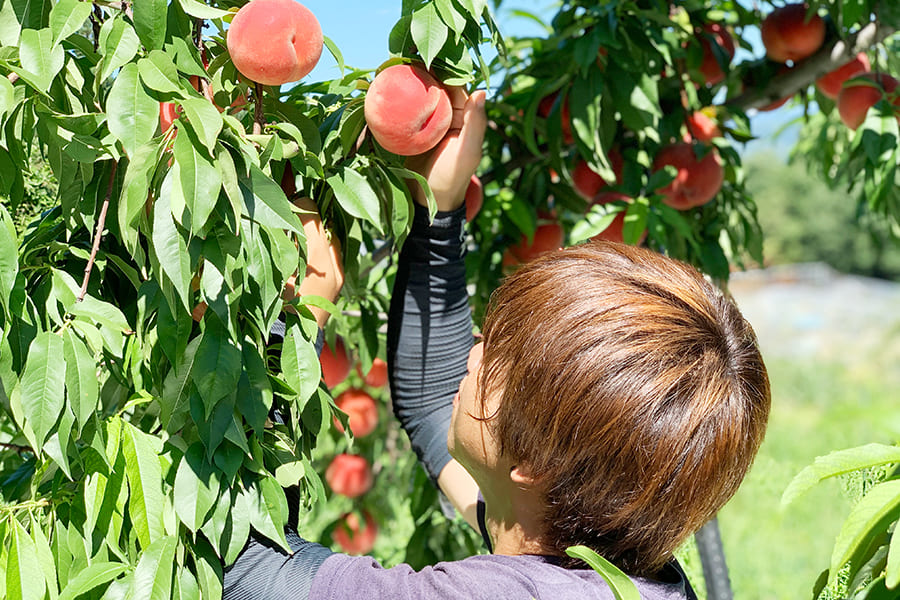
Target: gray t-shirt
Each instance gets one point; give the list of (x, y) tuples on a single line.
[(487, 577)]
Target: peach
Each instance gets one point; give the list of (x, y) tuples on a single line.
[(377, 377), (862, 93), (349, 475), (335, 363), (351, 537), (587, 183), (407, 110), (474, 198), (274, 41), (787, 34), (710, 67), (830, 84), (614, 232), (547, 237), (702, 127), (362, 412), (697, 181)]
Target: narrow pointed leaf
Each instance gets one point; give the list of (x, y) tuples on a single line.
[(892, 570), (82, 387), (205, 119), (9, 257), (869, 517), (91, 577), (201, 10), (24, 578), (158, 73), (266, 203), (355, 195), (299, 364), (145, 502), (198, 181), (196, 487), (150, 22), (40, 56), (217, 367), (621, 585), (153, 574), (118, 45), (171, 250), (839, 463), (42, 388), (429, 32), (132, 113), (67, 17)]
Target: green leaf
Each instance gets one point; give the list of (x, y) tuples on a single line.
[(217, 366), (196, 487), (90, 577), (150, 22), (42, 387), (266, 203), (201, 10), (135, 190), (635, 221), (100, 313), (205, 119), (82, 386), (355, 195), (451, 17), (171, 250), (839, 463), (429, 32), (132, 114), (7, 96), (158, 72), (57, 444), (24, 578), (268, 510), (255, 394), (9, 257), (118, 45), (153, 574), (196, 181), (474, 7), (869, 518), (892, 570), (67, 17), (621, 585), (597, 219), (142, 468), (40, 56), (300, 364)]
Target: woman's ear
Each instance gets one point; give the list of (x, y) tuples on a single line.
[(521, 475)]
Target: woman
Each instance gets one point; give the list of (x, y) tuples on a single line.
[(616, 400)]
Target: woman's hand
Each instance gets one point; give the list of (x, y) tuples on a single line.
[(450, 165), (324, 270)]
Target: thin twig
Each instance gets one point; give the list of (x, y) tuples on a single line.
[(98, 233), (17, 447)]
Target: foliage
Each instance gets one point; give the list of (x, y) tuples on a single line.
[(141, 438), (865, 562)]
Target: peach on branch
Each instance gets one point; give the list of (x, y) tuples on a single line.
[(547, 237), (788, 34), (362, 412), (274, 41), (336, 363), (831, 83), (349, 475), (407, 110), (614, 232), (862, 93), (701, 125), (587, 183), (696, 182), (351, 537)]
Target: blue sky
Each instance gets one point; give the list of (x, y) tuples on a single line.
[(360, 30)]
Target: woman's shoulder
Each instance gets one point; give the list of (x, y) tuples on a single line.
[(491, 577)]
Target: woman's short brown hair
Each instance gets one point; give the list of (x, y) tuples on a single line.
[(632, 389)]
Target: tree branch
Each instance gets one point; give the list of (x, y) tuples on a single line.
[(828, 58), (259, 115), (98, 233)]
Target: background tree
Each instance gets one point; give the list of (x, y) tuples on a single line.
[(147, 424)]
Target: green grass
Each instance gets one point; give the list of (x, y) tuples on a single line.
[(774, 552)]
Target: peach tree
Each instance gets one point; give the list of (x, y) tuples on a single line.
[(148, 423)]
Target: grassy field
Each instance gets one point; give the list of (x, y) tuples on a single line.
[(776, 553)]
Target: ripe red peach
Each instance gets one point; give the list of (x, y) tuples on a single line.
[(862, 93), (168, 112), (335, 363), (702, 127), (274, 41), (787, 34), (352, 538), (547, 237), (349, 475), (377, 377), (697, 181), (587, 183), (362, 412), (710, 67), (407, 110), (830, 84)]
